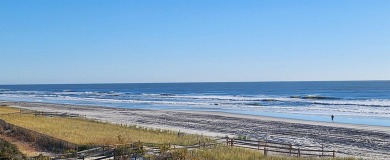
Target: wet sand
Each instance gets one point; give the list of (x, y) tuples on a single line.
[(368, 142)]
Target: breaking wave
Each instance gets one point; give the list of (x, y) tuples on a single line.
[(315, 97), (308, 104)]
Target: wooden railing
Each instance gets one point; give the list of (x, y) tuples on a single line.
[(52, 143), (49, 114), (281, 148), (48, 142)]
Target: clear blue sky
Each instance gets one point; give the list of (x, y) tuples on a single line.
[(110, 41)]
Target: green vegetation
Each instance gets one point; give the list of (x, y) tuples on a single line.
[(7, 110), (231, 153), (85, 132), (82, 131), (9, 151)]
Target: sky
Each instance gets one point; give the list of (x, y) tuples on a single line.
[(142, 41)]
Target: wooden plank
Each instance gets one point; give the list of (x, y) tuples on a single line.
[(319, 155), (314, 150)]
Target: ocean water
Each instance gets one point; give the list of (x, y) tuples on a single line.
[(357, 102)]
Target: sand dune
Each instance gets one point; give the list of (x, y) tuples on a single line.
[(368, 142)]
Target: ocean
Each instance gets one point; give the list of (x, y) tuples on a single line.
[(356, 102)]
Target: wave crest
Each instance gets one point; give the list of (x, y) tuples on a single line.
[(315, 97)]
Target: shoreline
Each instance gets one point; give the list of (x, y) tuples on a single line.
[(362, 141), (291, 120)]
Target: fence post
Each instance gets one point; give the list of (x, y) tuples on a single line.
[(227, 141), (290, 149), (322, 147), (258, 145), (114, 155), (334, 154), (299, 152), (232, 142), (265, 150)]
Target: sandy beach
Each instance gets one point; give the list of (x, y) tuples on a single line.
[(367, 142)]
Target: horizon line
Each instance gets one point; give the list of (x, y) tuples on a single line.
[(192, 82)]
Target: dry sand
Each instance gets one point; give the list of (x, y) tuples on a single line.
[(368, 142)]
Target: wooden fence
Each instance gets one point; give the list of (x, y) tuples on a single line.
[(55, 144), (50, 114), (45, 141), (281, 148), (135, 150)]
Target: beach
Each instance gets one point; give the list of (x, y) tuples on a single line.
[(296, 79), (363, 141)]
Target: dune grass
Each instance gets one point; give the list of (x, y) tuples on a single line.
[(25, 148), (233, 153), (7, 110), (227, 153), (82, 131), (85, 132), (9, 151)]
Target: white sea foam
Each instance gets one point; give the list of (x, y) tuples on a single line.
[(260, 103)]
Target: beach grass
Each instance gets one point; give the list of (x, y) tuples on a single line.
[(8, 110), (9, 151), (23, 147), (89, 132), (84, 131), (234, 153)]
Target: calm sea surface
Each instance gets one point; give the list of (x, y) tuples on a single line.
[(358, 102)]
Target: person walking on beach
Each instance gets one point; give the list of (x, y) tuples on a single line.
[(332, 117)]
